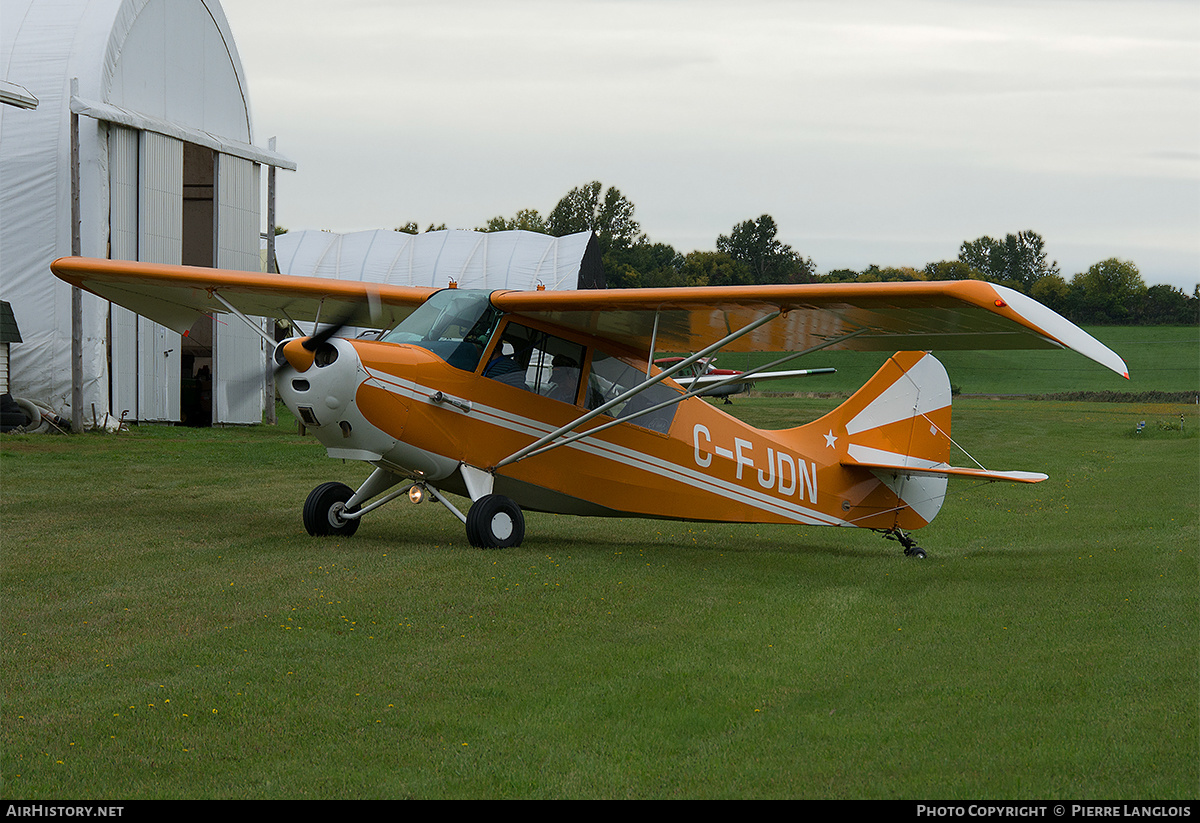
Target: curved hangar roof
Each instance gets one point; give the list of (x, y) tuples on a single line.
[(521, 260)]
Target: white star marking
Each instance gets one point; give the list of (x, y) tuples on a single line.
[(830, 440)]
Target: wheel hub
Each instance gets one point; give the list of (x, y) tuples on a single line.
[(502, 526)]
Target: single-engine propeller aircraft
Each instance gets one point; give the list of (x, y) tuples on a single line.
[(549, 400)]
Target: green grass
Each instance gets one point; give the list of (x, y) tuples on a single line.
[(170, 631)]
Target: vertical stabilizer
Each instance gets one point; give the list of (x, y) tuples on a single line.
[(897, 426)]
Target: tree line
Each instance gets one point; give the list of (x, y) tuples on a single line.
[(1109, 292)]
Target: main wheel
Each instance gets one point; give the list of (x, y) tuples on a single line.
[(323, 511), (495, 522)]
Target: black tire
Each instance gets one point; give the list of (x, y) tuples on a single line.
[(321, 511), (12, 416), (495, 522)]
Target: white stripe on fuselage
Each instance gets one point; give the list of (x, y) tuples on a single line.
[(611, 451)]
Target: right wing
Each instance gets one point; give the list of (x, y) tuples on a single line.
[(177, 296)]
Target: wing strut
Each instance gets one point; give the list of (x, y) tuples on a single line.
[(299, 330), (738, 378), (653, 339), (534, 450), (271, 342), (636, 390)]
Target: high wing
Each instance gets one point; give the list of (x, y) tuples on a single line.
[(177, 296), (912, 316)]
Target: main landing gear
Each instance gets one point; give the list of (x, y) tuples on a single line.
[(324, 510), (911, 549), (493, 521)]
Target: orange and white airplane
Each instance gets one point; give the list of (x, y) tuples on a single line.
[(548, 400)]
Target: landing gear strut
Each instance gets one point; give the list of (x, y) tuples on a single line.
[(493, 521), (911, 549)]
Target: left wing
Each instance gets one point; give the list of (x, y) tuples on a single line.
[(912, 316), (177, 296)]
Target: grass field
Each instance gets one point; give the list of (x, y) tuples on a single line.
[(170, 631)]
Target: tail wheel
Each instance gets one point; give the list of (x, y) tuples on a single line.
[(911, 549), (323, 511), (495, 522)]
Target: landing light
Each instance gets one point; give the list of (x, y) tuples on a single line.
[(416, 494)]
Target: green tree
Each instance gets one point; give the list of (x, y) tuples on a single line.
[(1054, 292), (889, 274), (952, 270), (1167, 305), (714, 268), (412, 228), (1018, 261), (644, 265), (840, 276), (608, 213), (525, 220), (1108, 292), (754, 244)]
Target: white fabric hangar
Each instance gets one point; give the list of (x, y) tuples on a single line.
[(167, 172), (520, 260)]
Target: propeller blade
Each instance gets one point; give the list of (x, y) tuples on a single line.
[(313, 342)]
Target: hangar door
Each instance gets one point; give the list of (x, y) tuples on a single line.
[(145, 219), (178, 202), (239, 359)]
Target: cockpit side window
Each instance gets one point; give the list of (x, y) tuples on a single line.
[(454, 324), (536, 361), (610, 377)]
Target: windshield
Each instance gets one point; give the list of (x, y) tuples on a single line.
[(454, 324)]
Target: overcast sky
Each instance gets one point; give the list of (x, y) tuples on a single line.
[(875, 131)]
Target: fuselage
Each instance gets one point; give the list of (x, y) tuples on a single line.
[(424, 410)]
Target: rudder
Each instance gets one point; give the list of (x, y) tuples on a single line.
[(898, 426)]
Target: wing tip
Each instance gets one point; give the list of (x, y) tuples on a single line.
[(1059, 329)]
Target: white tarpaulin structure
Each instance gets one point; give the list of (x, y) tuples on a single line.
[(168, 173), (521, 260)]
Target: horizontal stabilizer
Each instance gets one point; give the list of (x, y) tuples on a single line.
[(878, 461)]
